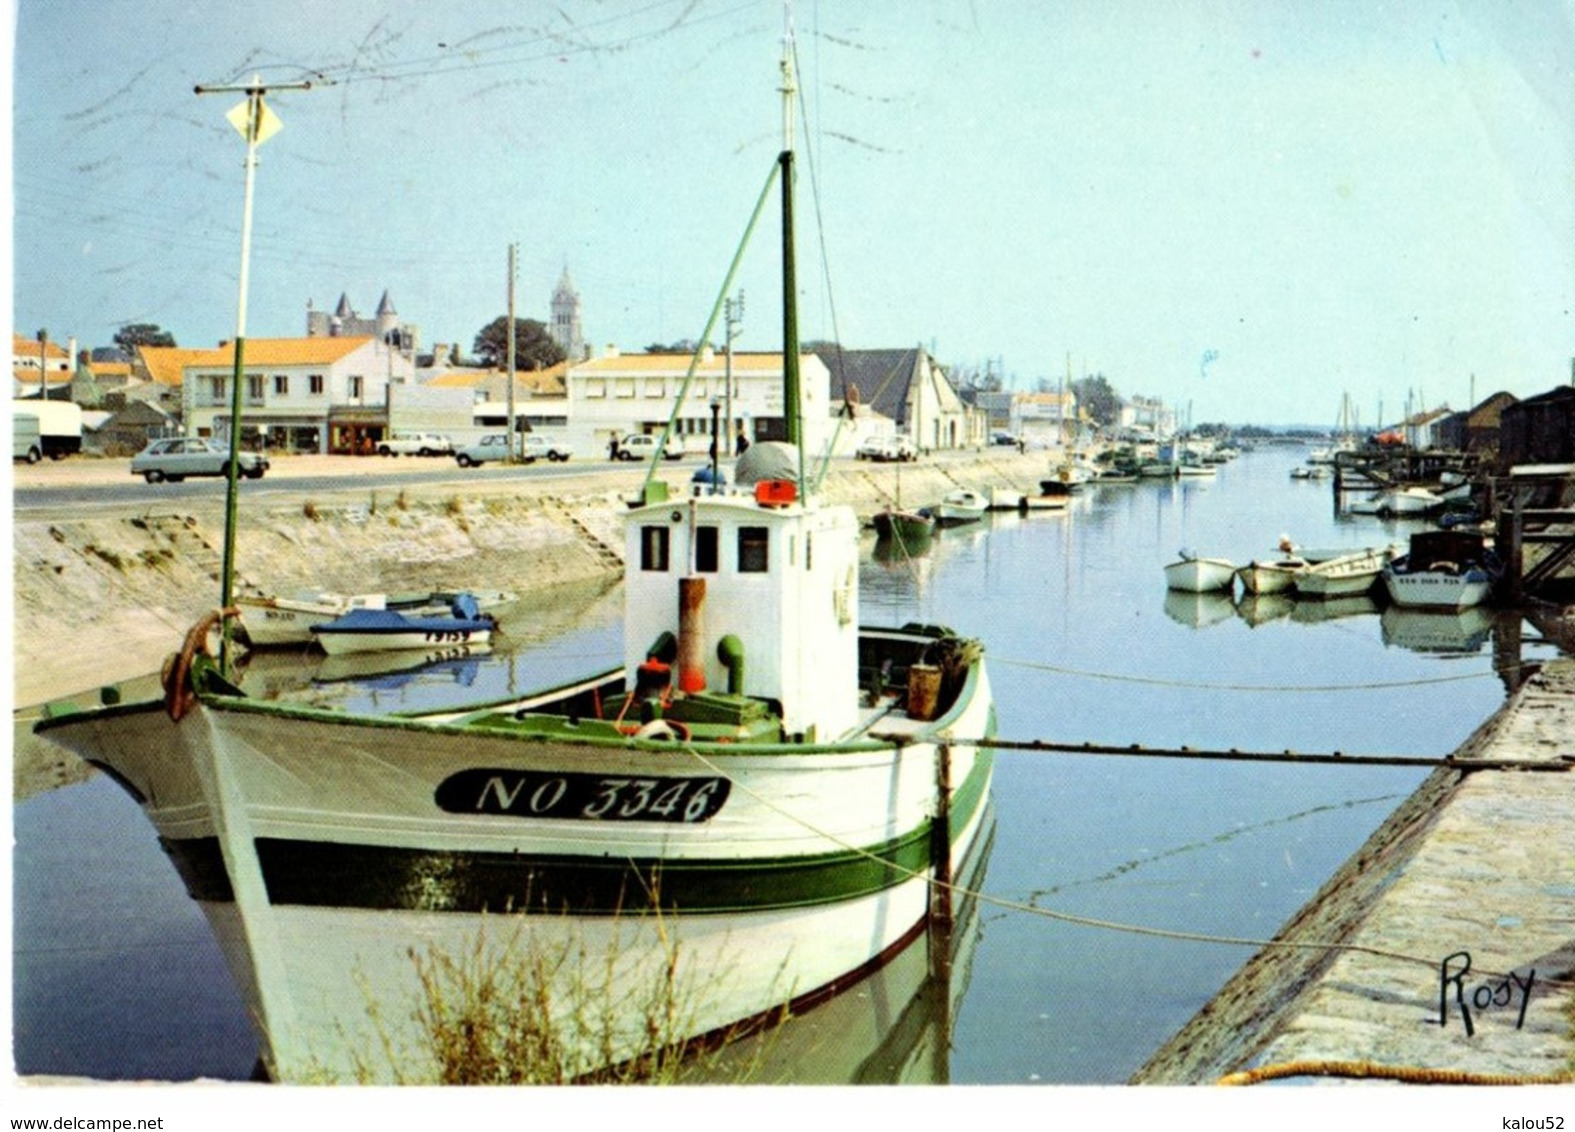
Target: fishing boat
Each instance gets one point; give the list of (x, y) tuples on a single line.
[(389, 630), (1060, 501), (1445, 569), (901, 525), (763, 800), (958, 507), (1347, 576), (272, 621), (1194, 573)]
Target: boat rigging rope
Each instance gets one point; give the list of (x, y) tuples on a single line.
[(1201, 686), (1006, 904)]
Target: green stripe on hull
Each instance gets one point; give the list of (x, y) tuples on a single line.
[(327, 874)]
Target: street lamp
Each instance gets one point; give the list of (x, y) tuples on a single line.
[(256, 123)]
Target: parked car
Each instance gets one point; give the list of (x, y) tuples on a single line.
[(416, 444), (543, 447), (27, 442), (644, 447), (1004, 439), (887, 448), (494, 446), (176, 457)]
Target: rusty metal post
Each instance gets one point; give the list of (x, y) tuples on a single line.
[(941, 919), (691, 634)]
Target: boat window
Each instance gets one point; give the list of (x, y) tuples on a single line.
[(654, 543), (753, 550), (707, 555)]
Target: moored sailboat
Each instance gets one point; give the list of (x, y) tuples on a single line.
[(759, 803)]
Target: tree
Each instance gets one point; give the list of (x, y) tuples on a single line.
[(682, 346), (1096, 397), (135, 334), (533, 346)]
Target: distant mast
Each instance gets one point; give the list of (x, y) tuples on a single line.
[(790, 370)]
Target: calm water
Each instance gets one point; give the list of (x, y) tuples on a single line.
[(116, 976)]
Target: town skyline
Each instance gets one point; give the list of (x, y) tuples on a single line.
[(1252, 210)]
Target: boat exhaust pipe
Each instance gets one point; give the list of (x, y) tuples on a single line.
[(730, 651), (691, 634)]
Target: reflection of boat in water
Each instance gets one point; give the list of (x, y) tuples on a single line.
[(893, 1027), (1437, 630), (894, 551), (749, 810), (459, 665), (1198, 610), (1332, 608), (1261, 608)]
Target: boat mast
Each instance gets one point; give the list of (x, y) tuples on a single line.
[(790, 367)]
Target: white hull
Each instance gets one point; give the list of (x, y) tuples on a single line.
[(1349, 576), (1006, 499), (960, 507), (343, 644), (1435, 589), (1047, 502), (1200, 575), (1409, 501), (1271, 577), (274, 621)]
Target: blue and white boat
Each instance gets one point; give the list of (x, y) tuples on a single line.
[(385, 630)]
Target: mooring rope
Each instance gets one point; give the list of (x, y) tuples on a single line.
[(1155, 681), (1412, 1074), (1083, 921)]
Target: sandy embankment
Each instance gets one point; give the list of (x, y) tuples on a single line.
[(104, 600)]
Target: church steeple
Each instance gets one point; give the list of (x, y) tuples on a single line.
[(565, 329)]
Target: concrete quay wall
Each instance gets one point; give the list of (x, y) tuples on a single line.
[(1443, 949)]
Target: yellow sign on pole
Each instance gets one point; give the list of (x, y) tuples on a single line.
[(268, 123)]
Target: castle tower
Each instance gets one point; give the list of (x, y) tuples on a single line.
[(565, 328), (387, 317)]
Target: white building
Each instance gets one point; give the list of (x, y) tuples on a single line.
[(316, 394), (1045, 419), (623, 394)]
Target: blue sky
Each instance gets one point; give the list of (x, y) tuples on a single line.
[(1248, 209)]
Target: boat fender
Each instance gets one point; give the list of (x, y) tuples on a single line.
[(663, 729), (842, 597), (1446, 567)]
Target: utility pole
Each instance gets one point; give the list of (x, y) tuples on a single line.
[(513, 252), (43, 365), (256, 123)]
